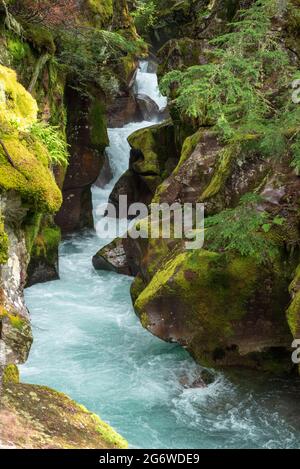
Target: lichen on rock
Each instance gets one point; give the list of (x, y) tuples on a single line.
[(36, 417)]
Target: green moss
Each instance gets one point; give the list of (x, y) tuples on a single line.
[(158, 153), (32, 229), (4, 244), (189, 146), (15, 320), (108, 434), (99, 12), (46, 244), (29, 176), (293, 316), (11, 375), (137, 287), (144, 140), (221, 172), (57, 82), (99, 136), (41, 37), (17, 49), (17, 105), (293, 312), (28, 171)]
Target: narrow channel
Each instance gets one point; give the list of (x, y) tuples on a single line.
[(90, 345)]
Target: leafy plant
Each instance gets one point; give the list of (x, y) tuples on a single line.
[(244, 89), (145, 15), (244, 230), (54, 141)]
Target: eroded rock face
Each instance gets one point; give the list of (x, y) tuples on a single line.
[(15, 330), (27, 192), (123, 110), (87, 135), (200, 18)]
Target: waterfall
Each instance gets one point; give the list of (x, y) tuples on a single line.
[(147, 83)]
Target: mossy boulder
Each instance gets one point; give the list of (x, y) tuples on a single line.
[(153, 157), (185, 18), (43, 266), (36, 417), (225, 310), (214, 174)]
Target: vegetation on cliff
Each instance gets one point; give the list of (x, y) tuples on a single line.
[(244, 89)]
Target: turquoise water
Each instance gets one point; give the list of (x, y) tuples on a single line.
[(89, 344)]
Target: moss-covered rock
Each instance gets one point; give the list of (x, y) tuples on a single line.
[(17, 105), (40, 37), (293, 312), (154, 155), (10, 375), (3, 244), (217, 308), (29, 175), (43, 266), (24, 161), (27, 193), (40, 418), (98, 12)]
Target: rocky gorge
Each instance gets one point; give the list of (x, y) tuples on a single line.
[(229, 140)]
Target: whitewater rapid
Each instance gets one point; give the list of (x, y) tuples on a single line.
[(89, 344)]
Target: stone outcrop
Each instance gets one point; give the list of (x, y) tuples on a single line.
[(148, 108), (87, 136), (153, 156), (36, 417), (28, 192)]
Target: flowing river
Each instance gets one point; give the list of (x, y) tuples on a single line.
[(89, 344)]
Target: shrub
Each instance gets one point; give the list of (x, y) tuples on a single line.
[(54, 141)]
